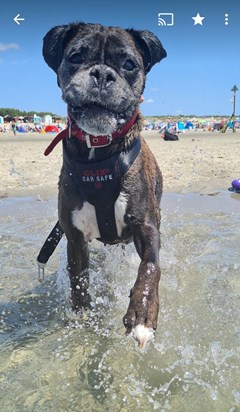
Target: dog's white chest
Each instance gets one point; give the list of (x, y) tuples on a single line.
[(85, 219)]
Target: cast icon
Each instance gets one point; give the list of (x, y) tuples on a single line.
[(165, 19)]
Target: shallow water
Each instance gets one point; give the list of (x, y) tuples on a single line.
[(52, 360)]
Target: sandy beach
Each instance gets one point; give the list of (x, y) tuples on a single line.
[(202, 162)]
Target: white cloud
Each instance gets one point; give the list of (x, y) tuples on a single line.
[(155, 89), (149, 101), (8, 46)]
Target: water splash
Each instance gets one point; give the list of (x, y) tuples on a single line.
[(52, 359), (13, 172)]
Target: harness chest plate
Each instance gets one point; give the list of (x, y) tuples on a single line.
[(99, 183)]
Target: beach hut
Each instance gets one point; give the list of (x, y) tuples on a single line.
[(37, 119), (47, 119)]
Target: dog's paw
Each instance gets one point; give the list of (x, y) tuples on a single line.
[(140, 320), (142, 334)]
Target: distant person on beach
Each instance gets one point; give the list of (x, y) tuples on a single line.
[(13, 126)]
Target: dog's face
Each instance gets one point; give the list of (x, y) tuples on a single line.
[(101, 71)]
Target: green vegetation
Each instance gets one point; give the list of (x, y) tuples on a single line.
[(184, 117), (9, 111)]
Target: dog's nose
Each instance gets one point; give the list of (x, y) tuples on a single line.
[(103, 76)]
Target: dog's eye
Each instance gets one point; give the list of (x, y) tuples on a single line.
[(129, 65), (76, 58)]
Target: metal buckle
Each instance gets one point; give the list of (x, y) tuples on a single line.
[(41, 267), (88, 141)]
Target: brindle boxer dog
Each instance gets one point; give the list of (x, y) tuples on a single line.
[(110, 184)]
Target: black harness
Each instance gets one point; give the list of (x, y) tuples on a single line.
[(99, 183)]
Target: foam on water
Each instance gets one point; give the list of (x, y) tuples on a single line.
[(52, 359)]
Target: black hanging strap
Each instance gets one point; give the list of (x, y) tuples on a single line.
[(48, 248)]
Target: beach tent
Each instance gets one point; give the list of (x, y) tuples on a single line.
[(237, 122), (22, 129), (1, 120), (51, 129), (189, 125), (180, 126)]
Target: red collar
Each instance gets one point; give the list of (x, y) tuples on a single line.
[(73, 130)]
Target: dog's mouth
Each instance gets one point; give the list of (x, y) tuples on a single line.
[(81, 110), (97, 119)]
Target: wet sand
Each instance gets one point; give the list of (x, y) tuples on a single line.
[(201, 162)]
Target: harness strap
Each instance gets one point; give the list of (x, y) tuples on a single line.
[(106, 223), (48, 248)]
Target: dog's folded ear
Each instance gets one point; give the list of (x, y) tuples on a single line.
[(55, 41), (57, 38), (149, 46)]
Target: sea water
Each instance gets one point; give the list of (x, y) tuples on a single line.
[(54, 360)]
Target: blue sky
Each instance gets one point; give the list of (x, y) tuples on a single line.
[(203, 62)]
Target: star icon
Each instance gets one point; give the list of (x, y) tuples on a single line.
[(198, 19)]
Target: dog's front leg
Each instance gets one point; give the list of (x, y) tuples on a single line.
[(78, 262), (142, 313)]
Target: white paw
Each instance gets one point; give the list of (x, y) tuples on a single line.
[(142, 335)]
